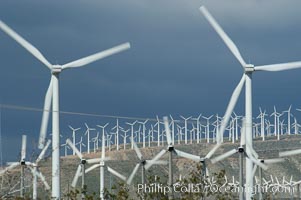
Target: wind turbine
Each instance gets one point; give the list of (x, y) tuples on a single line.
[(197, 128), (207, 127), (81, 167), (81, 144), (247, 80), (103, 128), (52, 94), (101, 164), (186, 129), (276, 122), (132, 132), (288, 119), (36, 173), (88, 136), (172, 129), (170, 150), (22, 163), (95, 142), (124, 137), (262, 121), (242, 153), (143, 131), (66, 147), (73, 135), (142, 162)]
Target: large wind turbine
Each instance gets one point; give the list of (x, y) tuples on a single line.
[(170, 150), (53, 92), (247, 80)]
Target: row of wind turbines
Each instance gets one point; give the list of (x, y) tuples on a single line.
[(52, 98), (200, 129)]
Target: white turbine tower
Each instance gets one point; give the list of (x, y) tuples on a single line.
[(73, 135), (247, 79), (289, 115), (53, 95)]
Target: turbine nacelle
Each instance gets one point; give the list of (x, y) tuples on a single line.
[(249, 68), (56, 69), (83, 161)]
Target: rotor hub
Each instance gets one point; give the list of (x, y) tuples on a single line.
[(249, 68), (56, 69), (22, 162), (241, 150), (83, 161), (170, 148)]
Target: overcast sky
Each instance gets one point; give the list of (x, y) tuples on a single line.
[(177, 64)]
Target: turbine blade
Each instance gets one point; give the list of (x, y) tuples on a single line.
[(223, 156), (158, 162), (97, 56), (45, 117), (253, 152), (115, 173), (289, 153), (254, 170), (94, 160), (188, 155), (231, 106), (279, 67), (137, 150), (23, 150), (233, 48), (10, 167), (34, 51), (42, 177), (130, 179), (210, 153), (274, 160), (42, 154), (257, 162), (166, 125), (75, 179), (73, 147), (157, 157), (91, 168)]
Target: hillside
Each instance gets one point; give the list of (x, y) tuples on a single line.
[(124, 161)]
